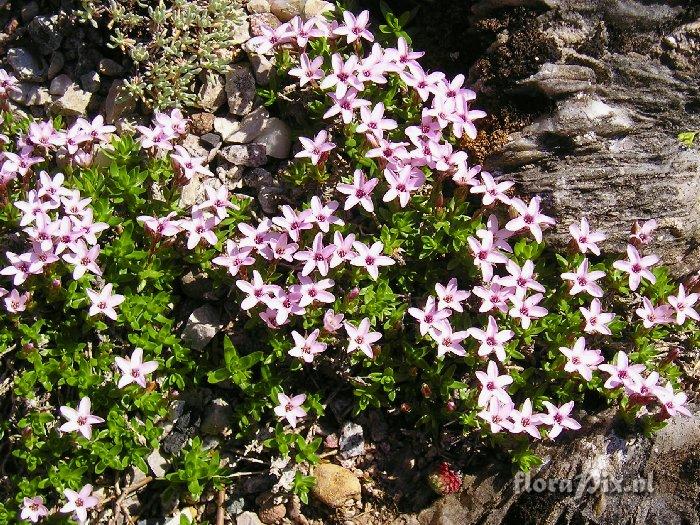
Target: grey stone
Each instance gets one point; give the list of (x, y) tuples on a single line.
[(157, 463), (251, 155), (241, 33), (55, 64), (25, 65), (194, 146), (240, 89), (217, 417), (74, 102), (271, 198), (31, 95), (29, 11), (257, 178), (258, 6), (277, 137), (257, 22), (556, 80), (211, 139), (44, 31), (212, 93), (226, 127), (110, 68), (202, 325), (119, 102), (247, 130), (285, 10), (352, 440), (248, 518), (314, 8), (90, 81), (262, 68), (230, 176), (60, 85)]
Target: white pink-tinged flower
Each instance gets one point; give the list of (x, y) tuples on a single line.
[(497, 415), (286, 305), (447, 339), (345, 105), (270, 38), (584, 281), (87, 227), (559, 418), (308, 71), (199, 227), (257, 290), (586, 239), (492, 339), (355, 28), (234, 258), (493, 385), (51, 188), (644, 391), (622, 373), (581, 360), (520, 278), (33, 509), (422, 82), (370, 257), (530, 218), (332, 322), (597, 321), (290, 408), (524, 421), (16, 302), (491, 190), (526, 309), (318, 257), (450, 296), (401, 184), (306, 348), (343, 249), (80, 420), (359, 192), (500, 235), (653, 315), (293, 222), (21, 267), (217, 201), (84, 259), (642, 232), (322, 214), (79, 502), (373, 121), (493, 297), (161, 226), (637, 267), (33, 207), (315, 149), (485, 255), (683, 305), (256, 238), (8, 84), (302, 32), (134, 369), (313, 291), (104, 302), (361, 338), (280, 248), (430, 316), (343, 75), (98, 131), (403, 56), (672, 402)]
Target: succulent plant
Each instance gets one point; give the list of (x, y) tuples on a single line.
[(444, 479)]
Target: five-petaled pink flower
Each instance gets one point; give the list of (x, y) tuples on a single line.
[(525, 421), (622, 373), (104, 302), (355, 28), (531, 218), (491, 339), (318, 257), (306, 348), (450, 296), (683, 305), (497, 415), (290, 408), (370, 257), (359, 192), (586, 239), (559, 418), (580, 359), (526, 309), (596, 319), (584, 281), (315, 149), (80, 420), (673, 403), (332, 322), (493, 385), (33, 509), (361, 338), (637, 267), (134, 369), (79, 502)]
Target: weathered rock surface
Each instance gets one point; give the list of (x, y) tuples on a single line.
[(251, 155), (625, 85), (240, 89), (25, 65), (335, 485), (202, 325)]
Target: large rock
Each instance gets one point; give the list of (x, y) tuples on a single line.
[(212, 94), (285, 10), (202, 325), (250, 155), (244, 131), (277, 137), (73, 103), (620, 72), (46, 34), (335, 485), (26, 65), (240, 89)]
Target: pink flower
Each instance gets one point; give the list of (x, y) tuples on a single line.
[(292, 222), (530, 218), (373, 122), (637, 267), (585, 238), (493, 296), (580, 359), (160, 226), (430, 316), (500, 236), (80, 420), (645, 390), (322, 214), (270, 39), (497, 415), (312, 291), (316, 149), (642, 232), (361, 338), (423, 83), (134, 369), (257, 290), (84, 259), (463, 117), (318, 257), (279, 248), (286, 305), (308, 70), (403, 56), (307, 347), (97, 129), (88, 228), (401, 184), (662, 314), (526, 309), (520, 278), (623, 373), (466, 176), (332, 321), (584, 281), (188, 165), (373, 68), (343, 77), (104, 302), (79, 502), (525, 421), (8, 84), (256, 238), (16, 302), (370, 257), (290, 408), (345, 105), (33, 509), (343, 249), (199, 227), (359, 192), (355, 28), (492, 191), (485, 255), (21, 267), (491, 339), (303, 31), (450, 296), (596, 319), (558, 418), (683, 305), (51, 188), (33, 207), (673, 403), (217, 200), (448, 340), (234, 258), (492, 385)]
